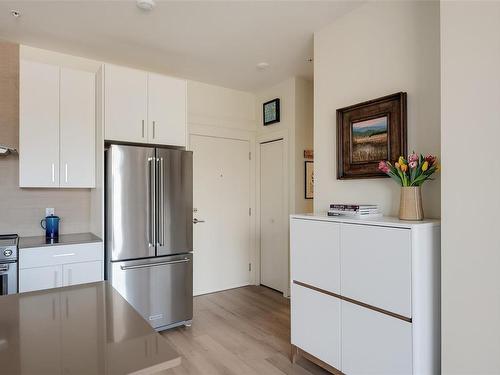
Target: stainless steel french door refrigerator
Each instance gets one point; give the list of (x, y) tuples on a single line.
[(149, 235)]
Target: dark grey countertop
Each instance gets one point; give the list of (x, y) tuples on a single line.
[(83, 329), (64, 239)]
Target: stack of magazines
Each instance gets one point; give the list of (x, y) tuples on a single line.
[(354, 210)]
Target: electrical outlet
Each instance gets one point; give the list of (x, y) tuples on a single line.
[(49, 211)]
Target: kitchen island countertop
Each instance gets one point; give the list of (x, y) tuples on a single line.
[(87, 329)]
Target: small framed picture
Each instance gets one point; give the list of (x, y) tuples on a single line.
[(271, 111), (309, 179)]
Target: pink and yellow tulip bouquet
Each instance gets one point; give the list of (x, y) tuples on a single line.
[(412, 172)]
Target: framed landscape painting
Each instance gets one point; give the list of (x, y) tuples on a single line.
[(369, 132)]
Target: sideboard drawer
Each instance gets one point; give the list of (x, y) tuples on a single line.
[(63, 254), (315, 321), (315, 253), (376, 266), (375, 343)]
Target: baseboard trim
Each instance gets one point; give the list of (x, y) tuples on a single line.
[(297, 352)]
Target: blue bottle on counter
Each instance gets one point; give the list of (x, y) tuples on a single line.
[(51, 226)]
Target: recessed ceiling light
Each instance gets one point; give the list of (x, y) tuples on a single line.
[(15, 13), (262, 66), (146, 5)]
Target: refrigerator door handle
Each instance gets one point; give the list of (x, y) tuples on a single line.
[(162, 203), (152, 202), (147, 265)]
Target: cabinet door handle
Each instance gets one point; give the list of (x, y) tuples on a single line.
[(63, 255), (66, 172), (55, 279), (154, 129), (142, 128), (53, 172)]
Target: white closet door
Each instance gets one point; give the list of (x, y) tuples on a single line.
[(166, 110), (77, 168), (38, 125), (273, 251), (125, 102)]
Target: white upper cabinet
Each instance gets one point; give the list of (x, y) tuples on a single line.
[(77, 131), (57, 126), (166, 110), (126, 104), (38, 125), (143, 107)]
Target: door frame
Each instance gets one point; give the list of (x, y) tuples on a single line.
[(240, 135), (265, 138)]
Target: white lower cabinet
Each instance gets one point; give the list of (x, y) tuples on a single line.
[(316, 321), (81, 273), (374, 343), (31, 279), (63, 265)]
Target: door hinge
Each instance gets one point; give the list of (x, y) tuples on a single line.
[(249, 156), (249, 267), (249, 211)]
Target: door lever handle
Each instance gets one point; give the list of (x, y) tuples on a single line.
[(196, 221)]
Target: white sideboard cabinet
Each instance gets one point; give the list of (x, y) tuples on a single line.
[(365, 294)]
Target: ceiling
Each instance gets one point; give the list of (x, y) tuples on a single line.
[(218, 42)]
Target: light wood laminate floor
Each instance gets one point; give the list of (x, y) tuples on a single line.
[(239, 331)]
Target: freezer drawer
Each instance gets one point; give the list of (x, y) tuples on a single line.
[(160, 288)]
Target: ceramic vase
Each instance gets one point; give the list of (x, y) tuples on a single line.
[(410, 206)]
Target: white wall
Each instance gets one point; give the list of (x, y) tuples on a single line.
[(296, 125), (285, 129), (296, 130), (470, 129), (219, 106), (377, 49), (303, 140)]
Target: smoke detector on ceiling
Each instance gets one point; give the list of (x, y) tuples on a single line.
[(146, 5)]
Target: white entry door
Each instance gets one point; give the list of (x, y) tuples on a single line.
[(273, 252), (221, 200)]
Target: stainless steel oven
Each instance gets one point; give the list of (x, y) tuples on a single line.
[(8, 263)]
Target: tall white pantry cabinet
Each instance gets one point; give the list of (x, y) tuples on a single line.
[(365, 294)]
